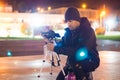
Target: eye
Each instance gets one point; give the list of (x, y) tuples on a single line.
[(69, 21)]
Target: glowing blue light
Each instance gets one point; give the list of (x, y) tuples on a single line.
[(82, 54), (9, 53)]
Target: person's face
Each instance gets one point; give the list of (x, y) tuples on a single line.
[(73, 24)]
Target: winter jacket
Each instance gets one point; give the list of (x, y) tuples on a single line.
[(74, 39)]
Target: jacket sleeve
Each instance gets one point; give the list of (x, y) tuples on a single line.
[(65, 50), (71, 50)]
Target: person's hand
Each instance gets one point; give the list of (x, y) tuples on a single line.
[(50, 46), (46, 40)]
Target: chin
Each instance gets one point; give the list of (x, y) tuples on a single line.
[(71, 28)]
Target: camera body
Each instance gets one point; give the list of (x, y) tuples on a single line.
[(50, 35)]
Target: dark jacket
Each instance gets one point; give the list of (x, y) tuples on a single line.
[(74, 39)]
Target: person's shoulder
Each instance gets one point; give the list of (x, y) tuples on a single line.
[(84, 19), (85, 22), (86, 26)]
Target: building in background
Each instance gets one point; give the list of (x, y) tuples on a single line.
[(5, 7), (23, 24), (117, 28), (92, 14), (14, 24)]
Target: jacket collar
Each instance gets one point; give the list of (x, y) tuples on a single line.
[(76, 30)]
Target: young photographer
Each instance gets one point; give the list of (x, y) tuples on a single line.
[(79, 36)]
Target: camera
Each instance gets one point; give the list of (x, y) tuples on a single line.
[(46, 32), (50, 35)]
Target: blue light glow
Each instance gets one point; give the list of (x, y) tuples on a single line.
[(9, 53), (82, 54)]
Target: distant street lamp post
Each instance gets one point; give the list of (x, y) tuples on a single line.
[(84, 6), (102, 14)]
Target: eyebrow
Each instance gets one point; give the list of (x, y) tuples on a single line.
[(69, 20)]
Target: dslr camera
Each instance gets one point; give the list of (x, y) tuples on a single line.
[(50, 35)]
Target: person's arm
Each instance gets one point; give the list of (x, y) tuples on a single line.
[(70, 51), (65, 50)]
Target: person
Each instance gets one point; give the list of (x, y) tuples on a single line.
[(78, 36)]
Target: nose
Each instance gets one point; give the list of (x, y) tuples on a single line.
[(68, 23)]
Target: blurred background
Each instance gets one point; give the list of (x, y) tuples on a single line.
[(19, 18)]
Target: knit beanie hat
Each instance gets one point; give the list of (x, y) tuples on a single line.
[(72, 14)]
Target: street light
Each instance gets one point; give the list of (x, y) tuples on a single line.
[(102, 14), (49, 8), (40, 9), (84, 6)]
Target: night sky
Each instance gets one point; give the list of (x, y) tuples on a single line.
[(94, 4)]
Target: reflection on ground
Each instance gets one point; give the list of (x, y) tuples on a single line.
[(28, 67)]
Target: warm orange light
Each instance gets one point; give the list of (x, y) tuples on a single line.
[(41, 10), (49, 8), (2, 4), (1, 8), (84, 6), (38, 9), (103, 13)]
